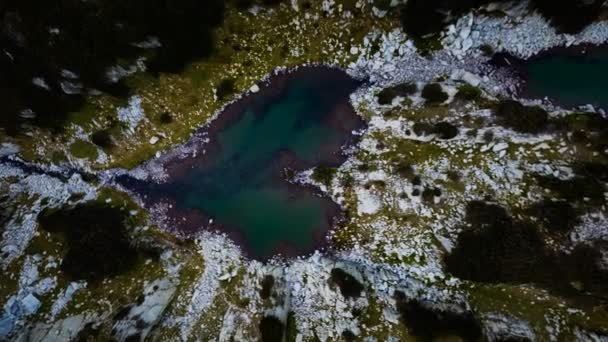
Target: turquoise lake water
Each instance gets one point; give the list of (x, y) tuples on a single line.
[(570, 79), (243, 186)]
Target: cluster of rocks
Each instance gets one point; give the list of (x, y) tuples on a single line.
[(518, 32)]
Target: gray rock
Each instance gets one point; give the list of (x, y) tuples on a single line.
[(30, 304), (7, 323)]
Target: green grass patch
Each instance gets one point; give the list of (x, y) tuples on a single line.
[(83, 150)]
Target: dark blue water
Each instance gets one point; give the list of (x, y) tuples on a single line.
[(241, 185), (570, 78)]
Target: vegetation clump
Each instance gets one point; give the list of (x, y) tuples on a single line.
[(165, 118), (387, 95), (349, 286), (83, 150), (434, 94), (103, 139), (445, 130), (225, 88), (487, 50), (429, 194), (324, 174), (432, 324), (403, 169), (267, 284), (422, 128), (468, 92), (521, 118), (98, 245), (271, 329)]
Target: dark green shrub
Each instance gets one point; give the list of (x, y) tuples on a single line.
[(487, 50), (103, 139), (387, 95), (375, 184), (523, 119), (468, 92), (404, 169), (445, 130), (267, 284), (592, 169), (429, 194), (324, 174), (434, 94), (165, 118), (422, 128), (271, 329), (349, 286), (225, 88)]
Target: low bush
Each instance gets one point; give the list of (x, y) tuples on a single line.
[(103, 139), (523, 119), (271, 329), (445, 130), (324, 174), (165, 118), (225, 88), (468, 92), (349, 286), (434, 94), (387, 95)]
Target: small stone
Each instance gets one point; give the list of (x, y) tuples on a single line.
[(6, 325), (354, 50), (467, 44), (500, 146), (464, 34), (30, 304), (154, 140), (254, 88)]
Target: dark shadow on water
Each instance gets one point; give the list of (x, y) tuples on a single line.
[(298, 120)]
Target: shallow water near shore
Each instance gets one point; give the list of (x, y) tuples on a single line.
[(572, 77), (237, 182)]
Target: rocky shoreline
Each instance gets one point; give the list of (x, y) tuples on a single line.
[(200, 153)]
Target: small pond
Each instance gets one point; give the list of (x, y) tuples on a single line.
[(570, 76), (237, 180)]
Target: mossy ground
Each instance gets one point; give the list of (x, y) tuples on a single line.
[(247, 48)]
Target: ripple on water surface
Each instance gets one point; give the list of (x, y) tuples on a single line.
[(298, 120)]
